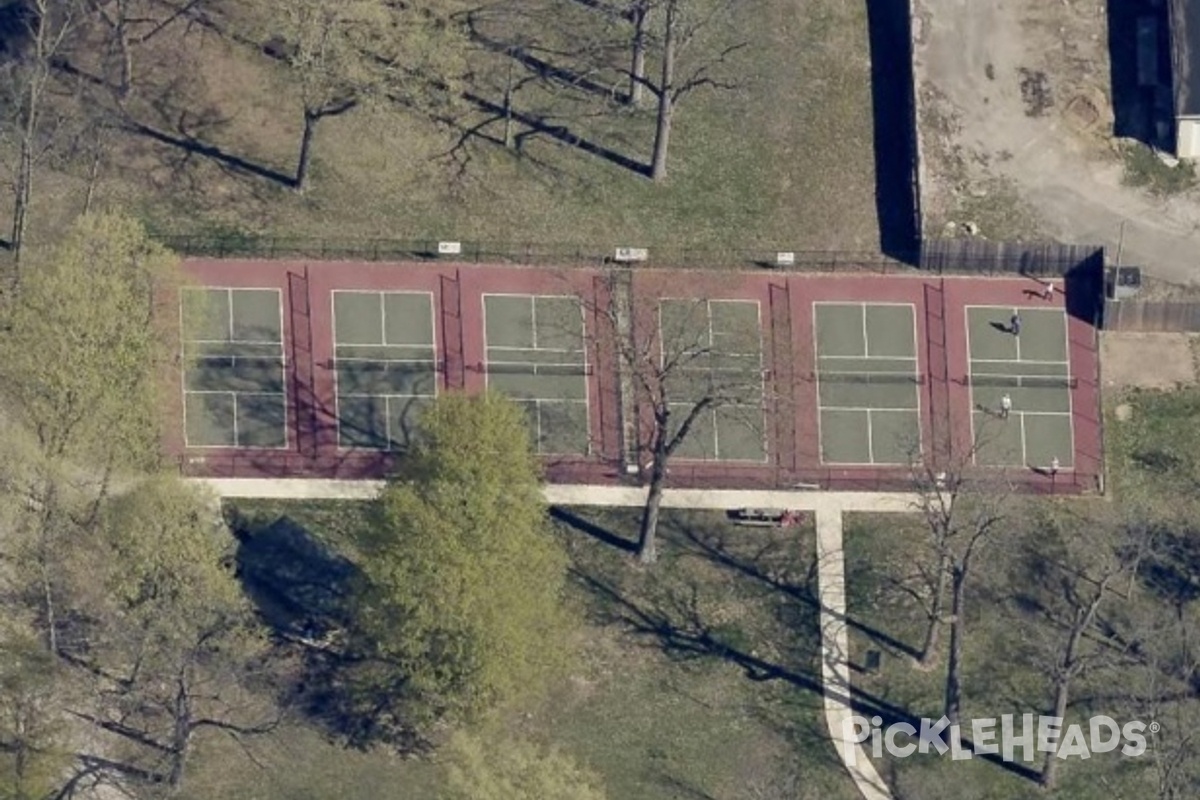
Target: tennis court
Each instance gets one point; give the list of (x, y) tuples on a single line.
[(234, 390), (712, 350), (868, 383), (385, 366), (535, 354), (1034, 371)]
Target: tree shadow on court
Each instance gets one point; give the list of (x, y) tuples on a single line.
[(897, 194)]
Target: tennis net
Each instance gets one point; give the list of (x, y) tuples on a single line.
[(871, 378), (1023, 381)]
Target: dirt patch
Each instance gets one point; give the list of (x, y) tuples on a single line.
[(1147, 360), (1028, 88), (1035, 92)]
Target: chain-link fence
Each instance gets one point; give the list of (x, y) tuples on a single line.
[(950, 257)]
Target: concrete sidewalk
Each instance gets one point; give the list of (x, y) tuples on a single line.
[(835, 656), (583, 495)]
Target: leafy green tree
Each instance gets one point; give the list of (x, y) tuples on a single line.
[(465, 598), (82, 360), (503, 768)]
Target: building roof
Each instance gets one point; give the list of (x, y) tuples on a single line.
[(1185, 56)]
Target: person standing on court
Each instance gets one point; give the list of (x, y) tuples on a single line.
[(1054, 464), (1005, 406), (1048, 292), (1014, 325)]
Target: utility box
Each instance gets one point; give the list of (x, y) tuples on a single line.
[(1124, 282)]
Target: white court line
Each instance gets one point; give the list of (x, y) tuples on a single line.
[(535, 349), (866, 408), (1070, 391), (365, 360), (1015, 361)]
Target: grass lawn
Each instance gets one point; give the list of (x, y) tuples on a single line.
[(695, 678), (784, 159)]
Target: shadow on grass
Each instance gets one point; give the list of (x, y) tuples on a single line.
[(181, 137), (675, 624), (307, 594), (597, 532), (537, 126), (194, 146), (897, 203), (713, 547)]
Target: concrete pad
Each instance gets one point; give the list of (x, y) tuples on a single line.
[(1147, 360)]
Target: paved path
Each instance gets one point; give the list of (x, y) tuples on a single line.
[(835, 655), (827, 507), (579, 495)]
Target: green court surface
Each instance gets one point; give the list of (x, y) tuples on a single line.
[(712, 349), (536, 356), (1033, 370), (234, 387), (868, 383), (385, 365)]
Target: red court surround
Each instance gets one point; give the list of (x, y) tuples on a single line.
[(786, 309)]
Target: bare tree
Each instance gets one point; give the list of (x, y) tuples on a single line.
[(347, 52), (682, 24), (1083, 576), (48, 24), (1160, 634), (962, 506), (681, 361)]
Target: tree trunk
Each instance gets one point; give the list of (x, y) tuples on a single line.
[(24, 189), (647, 548), (306, 139), (954, 666), (93, 177), (1050, 765), (508, 126), (47, 498), (181, 739), (637, 71), (1067, 669), (929, 650), (666, 98)]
